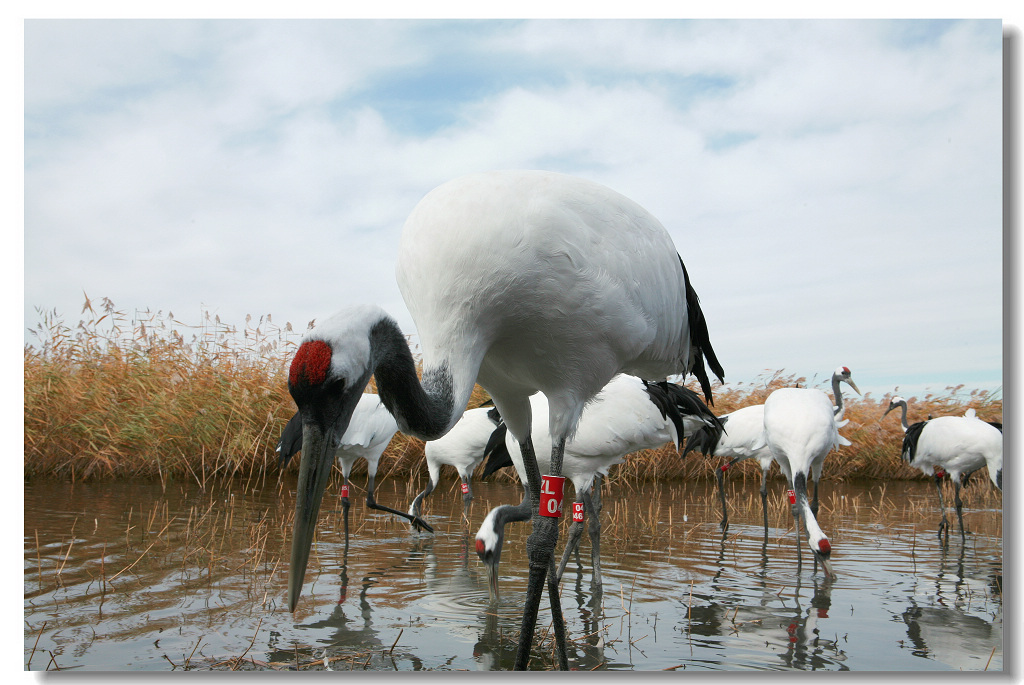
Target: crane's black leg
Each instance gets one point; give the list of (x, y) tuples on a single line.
[(720, 476), (467, 497), (594, 530), (796, 525), (344, 512), (417, 503), (943, 524), (540, 548), (557, 619), (764, 502), (416, 521), (959, 510), (572, 541)]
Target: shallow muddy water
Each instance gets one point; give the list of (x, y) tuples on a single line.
[(133, 576)]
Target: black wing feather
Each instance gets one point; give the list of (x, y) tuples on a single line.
[(700, 340), (910, 439), (705, 439), (496, 452)]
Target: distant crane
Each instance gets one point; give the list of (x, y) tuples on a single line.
[(368, 434), (521, 281), (463, 447), (744, 439), (629, 414), (957, 445), (800, 428)]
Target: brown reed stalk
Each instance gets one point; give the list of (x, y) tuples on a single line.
[(144, 394)]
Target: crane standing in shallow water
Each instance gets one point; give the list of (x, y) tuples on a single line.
[(800, 428), (523, 282), (628, 415), (463, 447), (957, 445), (368, 434), (743, 438)]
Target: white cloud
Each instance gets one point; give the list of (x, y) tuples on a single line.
[(832, 189)]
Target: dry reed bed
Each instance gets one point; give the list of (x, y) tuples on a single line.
[(144, 394)]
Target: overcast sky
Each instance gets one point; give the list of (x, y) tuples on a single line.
[(833, 186)]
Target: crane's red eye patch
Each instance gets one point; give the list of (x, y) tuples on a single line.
[(824, 547), (311, 363), (479, 546)]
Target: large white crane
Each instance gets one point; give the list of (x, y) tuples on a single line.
[(523, 282)]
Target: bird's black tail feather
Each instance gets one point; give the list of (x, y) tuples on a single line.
[(675, 401), (496, 453), (700, 341), (705, 439)]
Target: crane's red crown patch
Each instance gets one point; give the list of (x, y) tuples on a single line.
[(824, 547), (311, 363)]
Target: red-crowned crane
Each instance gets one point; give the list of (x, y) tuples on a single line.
[(628, 415), (800, 428), (463, 447), (742, 437), (957, 445), (368, 434), (523, 282)]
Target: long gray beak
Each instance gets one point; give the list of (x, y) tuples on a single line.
[(492, 581), (891, 407), (825, 564), (314, 472), (854, 386)]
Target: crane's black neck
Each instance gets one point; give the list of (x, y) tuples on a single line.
[(424, 409), (838, 393), (903, 416)]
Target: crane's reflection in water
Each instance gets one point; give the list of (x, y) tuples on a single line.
[(677, 593)]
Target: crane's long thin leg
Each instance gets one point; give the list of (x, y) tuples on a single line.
[(943, 524), (540, 548), (344, 511), (416, 521), (557, 619), (572, 541), (959, 510), (417, 503), (537, 570), (720, 477), (467, 497), (594, 530), (796, 524), (764, 502)]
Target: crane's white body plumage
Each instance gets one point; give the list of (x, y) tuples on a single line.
[(959, 445), (566, 283), (620, 419), (743, 437), (368, 435)]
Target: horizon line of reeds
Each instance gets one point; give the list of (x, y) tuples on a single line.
[(146, 395)]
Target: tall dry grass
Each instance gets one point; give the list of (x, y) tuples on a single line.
[(145, 394)]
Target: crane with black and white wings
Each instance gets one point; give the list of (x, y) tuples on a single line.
[(523, 282)]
